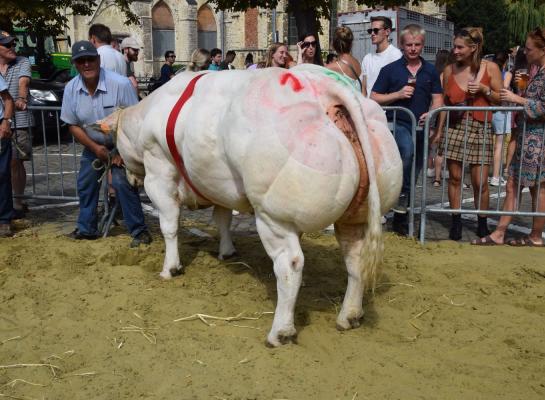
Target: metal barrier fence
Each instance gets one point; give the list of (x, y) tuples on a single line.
[(444, 207), (55, 156)]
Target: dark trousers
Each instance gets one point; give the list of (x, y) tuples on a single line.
[(6, 199)]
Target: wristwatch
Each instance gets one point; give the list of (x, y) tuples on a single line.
[(9, 120)]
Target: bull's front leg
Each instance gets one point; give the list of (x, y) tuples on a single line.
[(222, 217), (281, 241), (161, 188), (350, 238)]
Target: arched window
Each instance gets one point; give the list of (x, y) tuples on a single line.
[(162, 30), (207, 29)]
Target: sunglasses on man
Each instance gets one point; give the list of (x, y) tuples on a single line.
[(304, 45), (8, 45), (374, 30)]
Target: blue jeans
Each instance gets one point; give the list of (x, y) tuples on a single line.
[(404, 140), (89, 190), (6, 199)]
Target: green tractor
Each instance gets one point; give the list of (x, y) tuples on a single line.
[(49, 56)]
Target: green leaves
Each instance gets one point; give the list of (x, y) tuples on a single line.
[(48, 17)]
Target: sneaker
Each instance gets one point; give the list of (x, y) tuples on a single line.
[(430, 173), (402, 204), (142, 238), (497, 181), (5, 230), (77, 235)]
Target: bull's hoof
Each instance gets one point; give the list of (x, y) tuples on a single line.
[(224, 257), (281, 339), (348, 323), (171, 273)]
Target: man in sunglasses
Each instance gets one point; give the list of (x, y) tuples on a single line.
[(412, 83), (385, 53), (93, 95), (167, 71), (16, 71)]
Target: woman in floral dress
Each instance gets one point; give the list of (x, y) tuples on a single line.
[(528, 166)]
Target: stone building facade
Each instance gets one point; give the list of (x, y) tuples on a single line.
[(184, 25)]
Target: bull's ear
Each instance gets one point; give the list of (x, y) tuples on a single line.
[(107, 125)]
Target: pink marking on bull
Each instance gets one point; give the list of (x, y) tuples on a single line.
[(295, 83)]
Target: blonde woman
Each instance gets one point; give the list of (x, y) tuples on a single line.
[(277, 55), (469, 81), (200, 60)]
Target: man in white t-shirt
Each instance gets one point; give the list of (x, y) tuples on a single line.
[(110, 59), (380, 30)]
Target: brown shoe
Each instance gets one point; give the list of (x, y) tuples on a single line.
[(5, 230)]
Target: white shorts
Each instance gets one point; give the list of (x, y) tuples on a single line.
[(501, 122)]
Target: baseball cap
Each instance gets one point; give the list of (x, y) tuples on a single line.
[(83, 48), (130, 42), (5, 37)]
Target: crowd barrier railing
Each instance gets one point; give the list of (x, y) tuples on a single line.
[(54, 160), (443, 206), (392, 123)]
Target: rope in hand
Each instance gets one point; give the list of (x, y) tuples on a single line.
[(98, 164)]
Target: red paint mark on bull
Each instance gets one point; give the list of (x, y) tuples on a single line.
[(295, 83)]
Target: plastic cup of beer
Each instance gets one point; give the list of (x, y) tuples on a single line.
[(411, 81), (522, 82)]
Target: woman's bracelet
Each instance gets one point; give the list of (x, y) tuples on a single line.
[(22, 98)]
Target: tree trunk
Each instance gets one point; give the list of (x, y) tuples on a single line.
[(307, 22)]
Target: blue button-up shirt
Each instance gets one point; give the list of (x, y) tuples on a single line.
[(394, 76), (80, 108)]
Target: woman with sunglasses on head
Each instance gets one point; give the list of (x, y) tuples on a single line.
[(345, 63), (469, 81), (307, 50), (528, 166)]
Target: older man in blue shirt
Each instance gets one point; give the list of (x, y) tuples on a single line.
[(413, 83), (92, 95)]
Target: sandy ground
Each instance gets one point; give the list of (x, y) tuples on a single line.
[(448, 321)]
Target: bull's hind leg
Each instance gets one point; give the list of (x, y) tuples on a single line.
[(222, 217), (162, 190), (350, 238), (281, 241)]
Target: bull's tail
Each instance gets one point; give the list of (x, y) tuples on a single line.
[(373, 244)]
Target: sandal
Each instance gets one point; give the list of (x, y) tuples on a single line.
[(524, 242), (436, 183), (485, 241)]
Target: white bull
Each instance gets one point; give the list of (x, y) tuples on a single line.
[(268, 141)]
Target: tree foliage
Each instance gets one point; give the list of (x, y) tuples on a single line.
[(48, 17), (491, 15), (524, 16)]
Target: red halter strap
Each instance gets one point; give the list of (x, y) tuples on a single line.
[(171, 124)]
